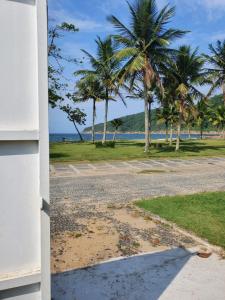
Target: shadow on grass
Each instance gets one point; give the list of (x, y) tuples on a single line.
[(58, 155), (130, 144), (143, 277)]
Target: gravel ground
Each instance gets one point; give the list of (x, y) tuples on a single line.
[(126, 187)]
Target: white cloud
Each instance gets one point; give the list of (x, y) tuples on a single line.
[(83, 22), (218, 36), (109, 6), (214, 9), (214, 4)]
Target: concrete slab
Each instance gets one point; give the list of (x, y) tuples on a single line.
[(172, 274)]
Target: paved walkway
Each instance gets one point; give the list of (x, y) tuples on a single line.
[(114, 167)]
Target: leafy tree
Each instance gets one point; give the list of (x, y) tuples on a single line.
[(116, 123), (145, 47), (55, 68), (104, 67), (89, 87), (76, 116), (217, 70), (186, 71)]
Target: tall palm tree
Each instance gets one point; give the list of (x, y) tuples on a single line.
[(186, 70), (144, 47), (105, 66), (89, 87), (217, 70)]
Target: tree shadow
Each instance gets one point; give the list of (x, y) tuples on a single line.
[(144, 277), (57, 155), (130, 144)]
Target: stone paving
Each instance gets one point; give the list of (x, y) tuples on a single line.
[(114, 167)]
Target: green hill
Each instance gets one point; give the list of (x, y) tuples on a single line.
[(135, 122)]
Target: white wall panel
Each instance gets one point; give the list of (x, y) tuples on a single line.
[(24, 224), (20, 207), (18, 65)]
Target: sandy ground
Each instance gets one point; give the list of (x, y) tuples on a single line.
[(118, 232)]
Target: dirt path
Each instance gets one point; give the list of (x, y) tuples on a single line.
[(92, 219), (101, 232)]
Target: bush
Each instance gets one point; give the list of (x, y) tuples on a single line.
[(109, 144)]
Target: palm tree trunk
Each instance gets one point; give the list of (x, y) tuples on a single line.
[(167, 131), (171, 134), (105, 122), (189, 133), (93, 121), (150, 121), (223, 89), (147, 139), (114, 136), (201, 132), (80, 136), (179, 129)]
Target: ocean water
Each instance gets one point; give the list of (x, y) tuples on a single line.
[(120, 136)]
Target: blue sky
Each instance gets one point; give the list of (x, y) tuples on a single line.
[(204, 18)]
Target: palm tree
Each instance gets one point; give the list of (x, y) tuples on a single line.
[(116, 123), (218, 118), (163, 116), (190, 115), (89, 87), (202, 115), (105, 66), (144, 47), (185, 68), (173, 119), (217, 71)]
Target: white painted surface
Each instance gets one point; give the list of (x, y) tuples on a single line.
[(20, 207), (18, 60), (168, 275), (24, 228)]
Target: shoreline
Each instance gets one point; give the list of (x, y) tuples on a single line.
[(205, 133)]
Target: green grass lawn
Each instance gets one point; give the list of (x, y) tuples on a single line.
[(203, 214), (125, 150)]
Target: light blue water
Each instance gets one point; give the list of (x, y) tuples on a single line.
[(123, 136)]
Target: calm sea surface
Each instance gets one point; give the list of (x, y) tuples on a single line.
[(124, 136)]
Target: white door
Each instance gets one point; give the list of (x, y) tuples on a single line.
[(24, 195)]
